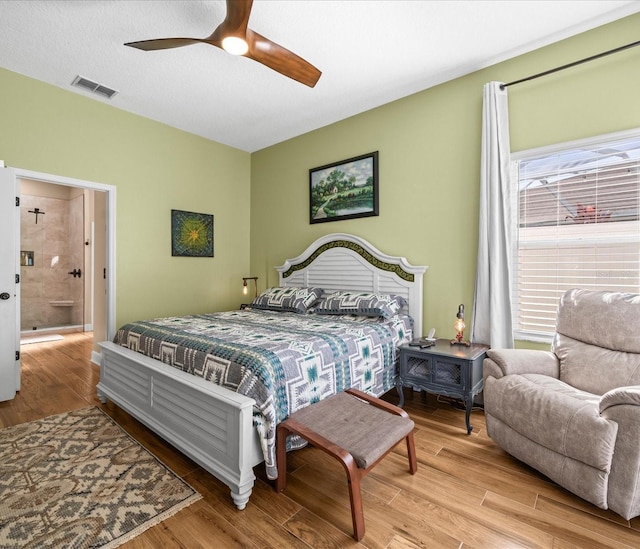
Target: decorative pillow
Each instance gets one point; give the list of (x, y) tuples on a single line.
[(296, 300), (361, 303)]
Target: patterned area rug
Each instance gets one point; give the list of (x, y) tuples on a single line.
[(78, 480)]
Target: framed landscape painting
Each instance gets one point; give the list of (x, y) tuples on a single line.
[(191, 234), (344, 190)]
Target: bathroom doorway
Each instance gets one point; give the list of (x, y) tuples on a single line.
[(63, 258)]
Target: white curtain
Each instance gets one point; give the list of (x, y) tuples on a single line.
[(491, 319)]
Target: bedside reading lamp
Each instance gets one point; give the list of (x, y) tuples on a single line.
[(459, 326), (245, 289)]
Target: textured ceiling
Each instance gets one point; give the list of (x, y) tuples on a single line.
[(370, 53)]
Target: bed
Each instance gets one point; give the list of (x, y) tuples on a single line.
[(227, 432)]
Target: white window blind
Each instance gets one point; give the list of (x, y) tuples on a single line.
[(578, 226)]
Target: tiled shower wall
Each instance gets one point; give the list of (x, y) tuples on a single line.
[(57, 243)]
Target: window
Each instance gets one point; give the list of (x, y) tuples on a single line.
[(577, 225)]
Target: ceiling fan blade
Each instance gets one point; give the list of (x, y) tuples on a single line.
[(163, 43), (281, 60)]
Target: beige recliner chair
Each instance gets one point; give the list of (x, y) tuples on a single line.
[(574, 413)]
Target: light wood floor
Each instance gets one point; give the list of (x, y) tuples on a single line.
[(466, 493)]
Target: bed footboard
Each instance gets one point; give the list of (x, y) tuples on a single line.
[(208, 423)]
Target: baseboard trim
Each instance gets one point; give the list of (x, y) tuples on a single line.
[(96, 357)]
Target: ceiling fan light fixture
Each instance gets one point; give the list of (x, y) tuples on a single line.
[(235, 45)]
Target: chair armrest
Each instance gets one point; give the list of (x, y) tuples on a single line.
[(620, 396), (622, 406), (502, 362), (378, 403)]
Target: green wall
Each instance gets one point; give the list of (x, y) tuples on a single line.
[(154, 168), (429, 145)]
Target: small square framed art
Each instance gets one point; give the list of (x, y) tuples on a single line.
[(191, 234)]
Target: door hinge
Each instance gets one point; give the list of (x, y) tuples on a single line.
[(17, 201), (17, 279), (17, 355)]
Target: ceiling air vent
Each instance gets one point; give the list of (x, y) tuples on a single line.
[(85, 83)]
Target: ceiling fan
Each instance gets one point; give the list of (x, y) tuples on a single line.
[(234, 36)]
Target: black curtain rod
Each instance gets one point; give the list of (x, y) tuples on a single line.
[(569, 65)]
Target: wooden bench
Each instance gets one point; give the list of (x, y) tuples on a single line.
[(355, 428)]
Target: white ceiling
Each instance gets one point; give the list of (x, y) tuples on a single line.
[(370, 53)]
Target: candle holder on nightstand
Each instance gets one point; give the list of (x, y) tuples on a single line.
[(459, 326)]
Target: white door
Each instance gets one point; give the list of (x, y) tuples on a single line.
[(9, 287)]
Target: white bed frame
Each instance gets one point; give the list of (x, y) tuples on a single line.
[(213, 425)]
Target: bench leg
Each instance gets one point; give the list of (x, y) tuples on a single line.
[(411, 451), (281, 457), (355, 496)]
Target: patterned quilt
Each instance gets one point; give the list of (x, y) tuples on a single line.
[(284, 361)]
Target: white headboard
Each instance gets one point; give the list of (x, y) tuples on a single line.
[(341, 261)]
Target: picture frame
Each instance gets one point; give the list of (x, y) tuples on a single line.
[(347, 189), (191, 234)]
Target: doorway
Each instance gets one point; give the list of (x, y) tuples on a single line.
[(93, 285)]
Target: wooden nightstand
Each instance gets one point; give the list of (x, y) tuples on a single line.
[(444, 369)]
